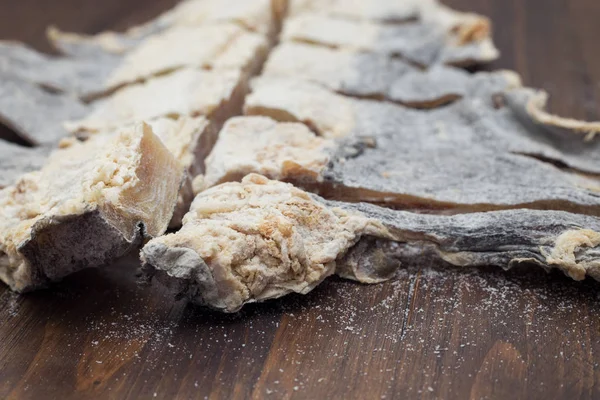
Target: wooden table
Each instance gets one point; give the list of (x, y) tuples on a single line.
[(429, 334)]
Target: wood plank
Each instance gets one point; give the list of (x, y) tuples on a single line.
[(429, 334)]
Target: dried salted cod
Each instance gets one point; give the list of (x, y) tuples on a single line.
[(260, 16), (38, 117), (550, 239), (505, 121), (422, 174), (90, 204), (188, 92), (333, 115), (179, 47), (186, 109), (281, 151), (379, 76), (261, 239), (252, 241), (189, 139), (430, 33), (185, 138), (224, 46)]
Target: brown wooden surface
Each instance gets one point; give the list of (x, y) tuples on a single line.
[(427, 335)]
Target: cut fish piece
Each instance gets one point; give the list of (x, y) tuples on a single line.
[(282, 151), (223, 46), (332, 115), (289, 100), (379, 76), (253, 241), (90, 204), (179, 47), (82, 46), (425, 43), (261, 16), (348, 72), (40, 115), (424, 174), (189, 139), (498, 121), (35, 115), (188, 92), (261, 239)]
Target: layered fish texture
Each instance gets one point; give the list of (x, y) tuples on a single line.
[(306, 138), (141, 109)]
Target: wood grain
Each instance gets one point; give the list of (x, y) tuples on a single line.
[(430, 334)]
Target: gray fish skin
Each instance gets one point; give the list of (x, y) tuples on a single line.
[(36, 116), (82, 77), (500, 238), (379, 76), (17, 160), (438, 176)]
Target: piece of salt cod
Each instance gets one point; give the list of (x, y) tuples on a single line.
[(331, 115), (259, 16), (423, 32), (189, 140), (224, 46), (90, 204), (505, 120), (259, 239), (252, 241), (278, 150), (216, 95), (38, 117), (187, 108), (379, 76), (422, 174)]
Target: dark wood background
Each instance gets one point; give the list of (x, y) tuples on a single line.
[(430, 334)]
